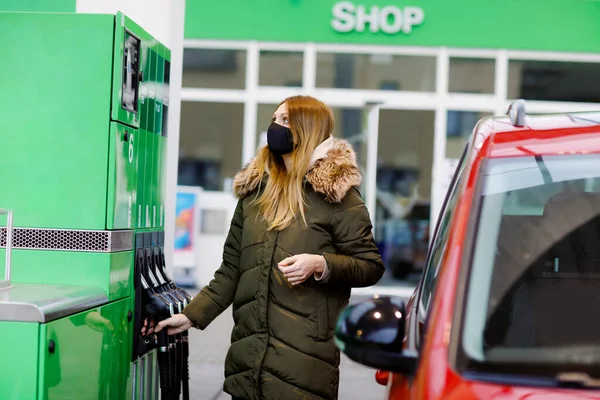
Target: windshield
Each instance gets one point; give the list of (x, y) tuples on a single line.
[(534, 288)]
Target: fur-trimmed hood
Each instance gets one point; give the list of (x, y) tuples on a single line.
[(333, 172)]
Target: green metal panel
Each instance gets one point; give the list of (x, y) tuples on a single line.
[(71, 167), (142, 197), (149, 177), (91, 355), (152, 89), (163, 138), (163, 178), (20, 346), (145, 84), (160, 186), (553, 25), (111, 272), (160, 75), (153, 147), (151, 142), (39, 5), (55, 118), (65, 120), (150, 134), (158, 180), (160, 108), (158, 120), (151, 160), (122, 177), (148, 181), (147, 116)]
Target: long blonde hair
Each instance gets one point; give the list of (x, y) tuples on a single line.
[(311, 122)]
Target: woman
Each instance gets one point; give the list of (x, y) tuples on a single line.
[(299, 240)]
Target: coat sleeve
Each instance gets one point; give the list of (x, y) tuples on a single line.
[(214, 298), (357, 261)]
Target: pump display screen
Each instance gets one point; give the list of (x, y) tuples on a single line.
[(131, 70)]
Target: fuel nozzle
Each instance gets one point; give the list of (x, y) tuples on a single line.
[(162, 270), (157, 299)]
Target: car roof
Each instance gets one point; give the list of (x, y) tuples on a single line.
[(541, 134)]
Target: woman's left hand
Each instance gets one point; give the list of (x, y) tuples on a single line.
[(299, 268)]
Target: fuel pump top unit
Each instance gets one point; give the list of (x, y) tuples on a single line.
[(82, 174)]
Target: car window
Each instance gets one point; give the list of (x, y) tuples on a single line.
[(535, 271), (438, 246)]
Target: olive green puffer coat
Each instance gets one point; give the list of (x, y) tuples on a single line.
[(282, 343)]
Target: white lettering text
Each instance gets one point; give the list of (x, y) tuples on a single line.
[(348, 17), (343, 16)]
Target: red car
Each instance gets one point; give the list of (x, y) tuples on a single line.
[(508, 306)]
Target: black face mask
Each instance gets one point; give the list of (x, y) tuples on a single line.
[(279, 139)]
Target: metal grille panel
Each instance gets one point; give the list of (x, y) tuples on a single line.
[(69, 240)]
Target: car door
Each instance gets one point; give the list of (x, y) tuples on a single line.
[(418, 305), (437, 249)]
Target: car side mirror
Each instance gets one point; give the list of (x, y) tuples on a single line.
[(372, 333)]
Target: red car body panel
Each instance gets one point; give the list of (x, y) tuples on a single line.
[(493, 137)]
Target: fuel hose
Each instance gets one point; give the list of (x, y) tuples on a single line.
[(164, 363), (185, 373), (160, 307), (177, 380), (172, 368)]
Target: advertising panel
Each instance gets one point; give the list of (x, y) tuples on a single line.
[(186, 227)]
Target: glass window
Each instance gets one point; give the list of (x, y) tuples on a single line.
[(405, 158), (438, 246), (471, 75), (350, 125), (376, 72), (535, 272), (214, 68), (265, 114), (554, 81), (210, 144), (459, 126), (280, 68)]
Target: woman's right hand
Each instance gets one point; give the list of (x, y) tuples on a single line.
[(176, 324)]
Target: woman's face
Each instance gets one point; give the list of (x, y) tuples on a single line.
[(281, 116)]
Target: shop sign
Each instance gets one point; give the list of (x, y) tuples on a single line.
[(558, 26), (390, 19)]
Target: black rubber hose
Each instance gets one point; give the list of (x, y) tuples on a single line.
[(164, 364), (185, 373), (173, 367), (178, 369)]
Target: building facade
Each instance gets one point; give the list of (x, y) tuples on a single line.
[(407, 81)]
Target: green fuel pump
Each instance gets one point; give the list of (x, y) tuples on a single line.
[(83, 137)]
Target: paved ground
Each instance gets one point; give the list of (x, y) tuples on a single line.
[(207, 354)]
